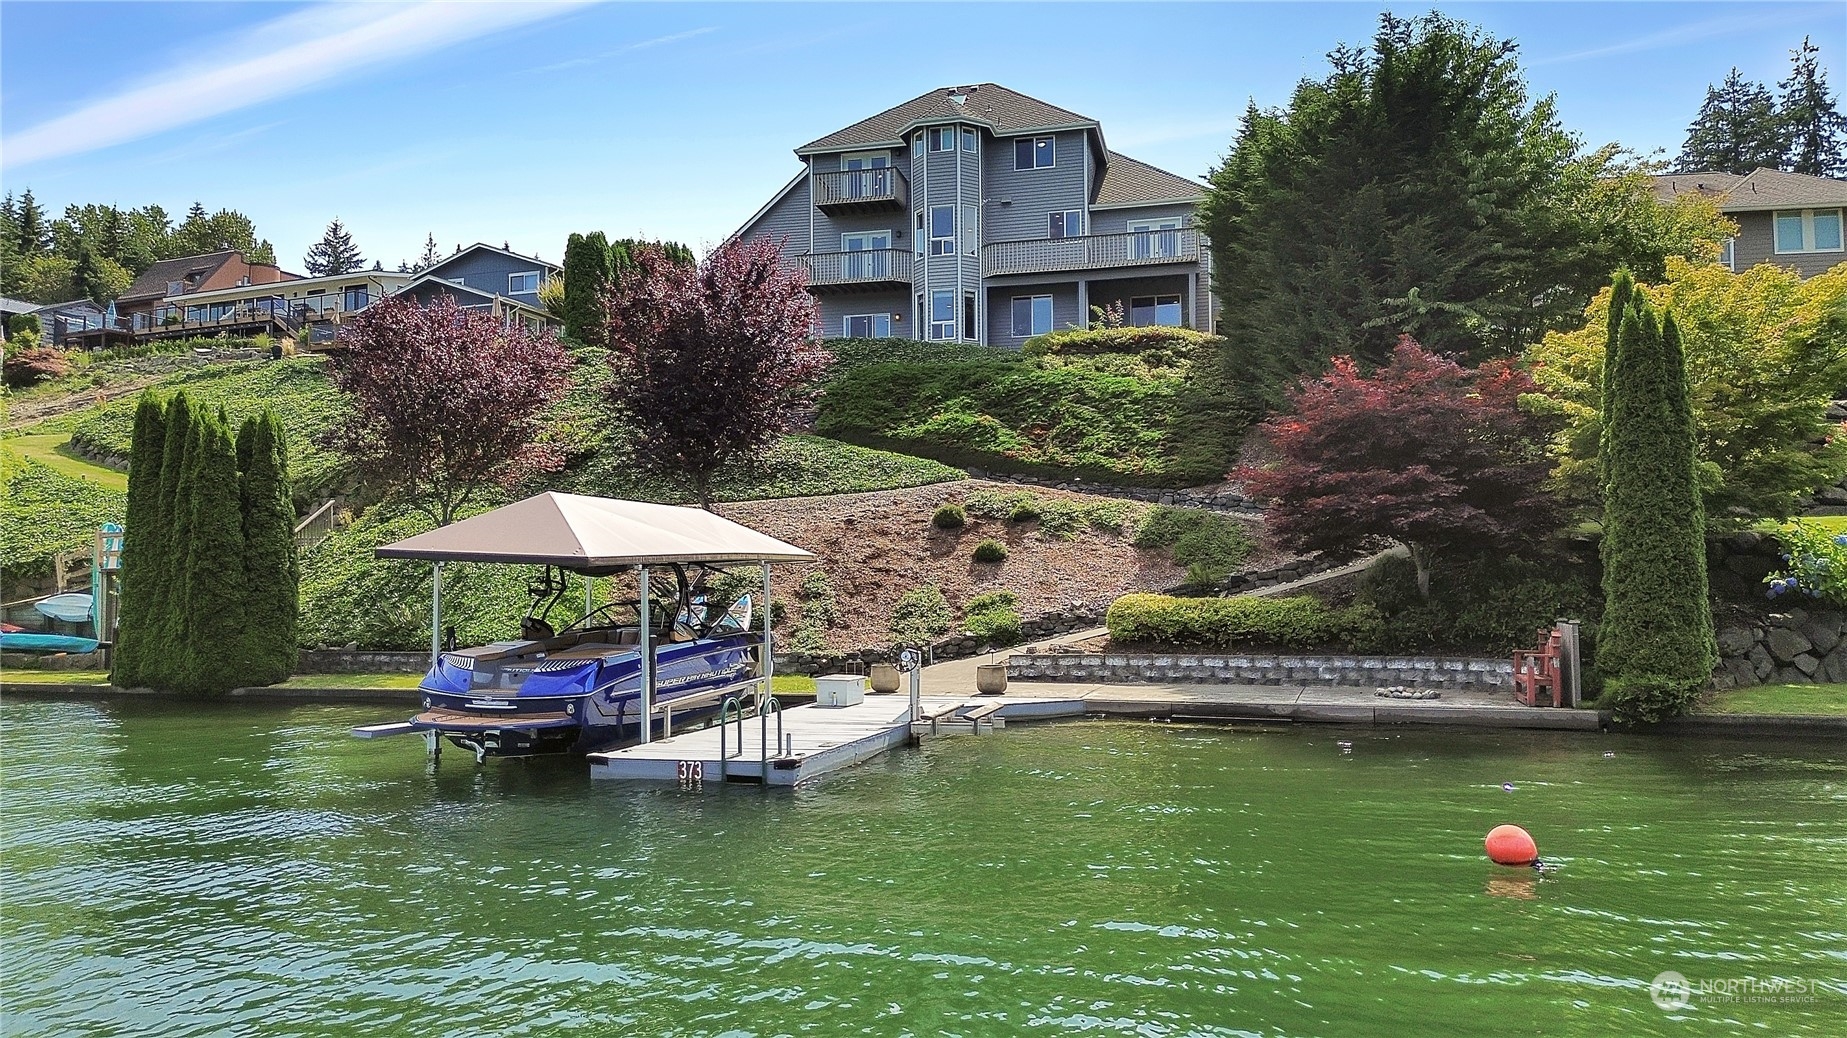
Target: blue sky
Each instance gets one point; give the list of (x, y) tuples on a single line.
[(523, 122)]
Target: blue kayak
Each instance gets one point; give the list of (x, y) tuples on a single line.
[(27, 641)]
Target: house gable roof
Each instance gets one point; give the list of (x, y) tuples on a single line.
[(1761, 189), (1130, 182), (1004, 112), (549, 268), (451, 288), (153, 282)]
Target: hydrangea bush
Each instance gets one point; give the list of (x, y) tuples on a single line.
[(1814, 564)]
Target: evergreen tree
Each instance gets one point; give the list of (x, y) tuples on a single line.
[(166, 595), (212, 651), (1736, 131), (89, 277), (335, 253), (1655, 648), (1812, 120), (271, 576), (431, 254), (111, 236), (587, 277), (142, 558), (34, 235)]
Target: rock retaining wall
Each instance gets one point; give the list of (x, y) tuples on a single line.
[(1789, 648), (1451, 672), (1217, 499), (362, 661)]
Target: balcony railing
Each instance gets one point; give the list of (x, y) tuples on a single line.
[(292, 312), (867, 268), (861, 190), (1091, 251)]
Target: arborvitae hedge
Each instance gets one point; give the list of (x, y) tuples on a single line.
[(140, 542), (209, 573), (586, 276), (1656, 647)]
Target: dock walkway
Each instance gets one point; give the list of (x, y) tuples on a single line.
[(784, 747)]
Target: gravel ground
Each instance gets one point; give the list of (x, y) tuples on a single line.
[(876, 546)]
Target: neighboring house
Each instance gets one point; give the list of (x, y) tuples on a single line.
[(277, 308), (978, 214), (1789, 219), (489, 271), (168, 280), (9, 309), (59, 322)]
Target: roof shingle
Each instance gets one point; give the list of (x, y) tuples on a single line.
[(1128, 181), (153, 282), (1759, 190), (1004, 112)]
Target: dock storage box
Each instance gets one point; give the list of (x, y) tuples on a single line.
[(840, 690)]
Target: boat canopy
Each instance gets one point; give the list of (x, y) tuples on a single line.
[(594, 536)]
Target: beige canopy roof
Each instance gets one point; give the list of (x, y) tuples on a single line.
[(594, 535)]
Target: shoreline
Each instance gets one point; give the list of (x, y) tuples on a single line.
[(1272, 706)]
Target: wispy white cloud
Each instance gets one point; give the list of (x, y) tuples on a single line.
[(286, 56), (627, 49), (1680, 34)]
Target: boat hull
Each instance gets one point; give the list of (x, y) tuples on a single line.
[(545, 703)]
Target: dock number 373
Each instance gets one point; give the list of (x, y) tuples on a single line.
[(691, 772)]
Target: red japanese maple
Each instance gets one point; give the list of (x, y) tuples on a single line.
[(1423, 451)]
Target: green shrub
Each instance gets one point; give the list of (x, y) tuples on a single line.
[(990, 551), (949, 517), (1484, 605), (796, 466), (994, 618), (851, 354), (1814, 564), (921, 616), (820, 608), (1293, 623), (1059, 518), (1210, 545)]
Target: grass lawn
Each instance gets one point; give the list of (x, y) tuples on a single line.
[(1778, 699), (52, 451), (792, 684), (16, 676), (351, 681)]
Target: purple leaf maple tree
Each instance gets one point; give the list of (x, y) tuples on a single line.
[(1423, 451), (445, 401), (711, 363)]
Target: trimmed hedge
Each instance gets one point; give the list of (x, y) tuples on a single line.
[(1298, 622), (850, 354)]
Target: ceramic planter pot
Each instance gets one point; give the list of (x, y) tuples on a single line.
[(884, 677), (991, 679)]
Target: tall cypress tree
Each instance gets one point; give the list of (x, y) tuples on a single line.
[(1655, 647), (165, 580), (1622, 290), (586, 278), (271, 577), (142, 559), (212, 648)]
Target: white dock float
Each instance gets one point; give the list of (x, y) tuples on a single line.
[(815, 739)]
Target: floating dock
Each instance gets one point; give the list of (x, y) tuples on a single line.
[(787, 747)]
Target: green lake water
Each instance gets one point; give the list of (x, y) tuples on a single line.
[(255, 871)]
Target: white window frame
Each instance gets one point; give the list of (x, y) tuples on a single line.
[(535, 275), (846, 325), (1728, 252), (942, 330), (1155, 305), (1065, 215), (971, 140), (1808, 230), (1032, 319), (948, 135), (1035, 152), (869, 157), (941, 246), (874, 260), (1156, 231)]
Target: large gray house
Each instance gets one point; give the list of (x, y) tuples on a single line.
[(1789, 219), (978, 214)]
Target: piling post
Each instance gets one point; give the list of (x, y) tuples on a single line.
[(436, 613), (647, 661)]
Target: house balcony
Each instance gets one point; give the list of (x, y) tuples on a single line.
[(268, 315), (1091, 252), (870, 270), (853, 191)]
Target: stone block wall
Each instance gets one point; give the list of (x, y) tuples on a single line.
[(1216, 499), (362, 661), (1789, 648), (1447, 672)]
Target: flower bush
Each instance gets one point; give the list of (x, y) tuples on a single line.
[(1814, 564)]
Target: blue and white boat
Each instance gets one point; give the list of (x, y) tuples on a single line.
[(681, 650)]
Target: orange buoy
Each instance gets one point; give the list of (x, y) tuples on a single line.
[(1511, 845)]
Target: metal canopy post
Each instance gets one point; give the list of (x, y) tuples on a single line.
[(769, 650), (436, 612), (589, 594), (647, 661)]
